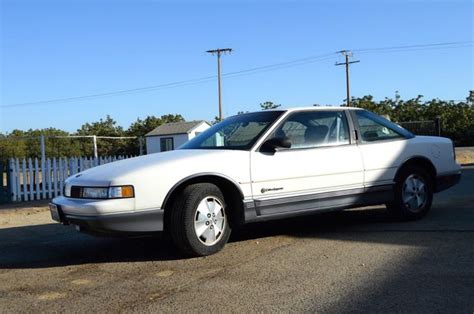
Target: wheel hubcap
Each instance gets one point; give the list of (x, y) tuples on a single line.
[(414, 193), (210, 220)]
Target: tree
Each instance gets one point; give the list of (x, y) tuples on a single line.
[(268, 105), (103, 127), (457, 118), (470, 98), (26, 144), (105, 147)]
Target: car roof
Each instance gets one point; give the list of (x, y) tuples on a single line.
[(317, 108), (309, 108)]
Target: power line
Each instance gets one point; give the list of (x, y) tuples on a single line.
[(250, 71), (439, 45), (206, 79)]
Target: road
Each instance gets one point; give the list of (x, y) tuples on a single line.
[(353, 261)]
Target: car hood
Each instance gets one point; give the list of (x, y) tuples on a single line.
[(183, 161)]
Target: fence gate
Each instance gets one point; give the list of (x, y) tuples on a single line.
[(5, 195)]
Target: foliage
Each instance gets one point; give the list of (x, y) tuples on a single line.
[(457, 123), (268, 105), (25, 144), (457, 118)]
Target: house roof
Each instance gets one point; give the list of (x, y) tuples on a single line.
[(175, 128)]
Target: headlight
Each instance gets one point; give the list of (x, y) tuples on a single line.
[(67, 190), (125, 191), (95, 193)]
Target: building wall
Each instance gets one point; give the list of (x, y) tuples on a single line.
[(179, 139), (153, 142), (201, 128)]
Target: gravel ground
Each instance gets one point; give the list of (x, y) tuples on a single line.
[(353, 261)]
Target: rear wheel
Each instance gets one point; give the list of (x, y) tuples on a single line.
[(199, 222), (413, 194)]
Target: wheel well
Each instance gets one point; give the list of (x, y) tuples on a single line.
[(232, 194), (421, 162)]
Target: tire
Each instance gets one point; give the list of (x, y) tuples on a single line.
[(413, 194), (199, 224)]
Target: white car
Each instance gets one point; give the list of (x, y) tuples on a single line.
[(258, 166)]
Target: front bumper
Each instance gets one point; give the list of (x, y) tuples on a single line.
[(444, 182), (133, 222)]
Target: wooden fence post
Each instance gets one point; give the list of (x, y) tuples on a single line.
[(13, 178), (31, 181), (37, 178), (48, 178), (55, 178)]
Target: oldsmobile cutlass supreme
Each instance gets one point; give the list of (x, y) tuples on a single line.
[(258, 166)]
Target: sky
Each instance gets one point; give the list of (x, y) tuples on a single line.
[(60, 49)]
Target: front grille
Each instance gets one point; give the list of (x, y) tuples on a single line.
[(76, 191)]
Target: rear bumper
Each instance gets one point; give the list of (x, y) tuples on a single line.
[(135, 222), (446, 181)]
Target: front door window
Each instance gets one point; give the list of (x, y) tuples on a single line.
[(315, 129)]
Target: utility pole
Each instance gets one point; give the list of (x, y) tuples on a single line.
[(347, 54), (218, 52)]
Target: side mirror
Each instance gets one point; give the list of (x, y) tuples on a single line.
[(273, 144)]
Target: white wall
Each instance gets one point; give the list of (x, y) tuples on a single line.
[(153, 142), (179, 139), (201, 128)]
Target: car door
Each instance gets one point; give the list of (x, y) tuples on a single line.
[(383, 147), (322, 169)]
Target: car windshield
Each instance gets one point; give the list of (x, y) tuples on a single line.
[(237, 132)]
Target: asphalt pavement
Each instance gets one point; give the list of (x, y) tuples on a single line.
[(353, 261)]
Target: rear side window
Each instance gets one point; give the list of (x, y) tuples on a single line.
[(307, 129), (376, 128)]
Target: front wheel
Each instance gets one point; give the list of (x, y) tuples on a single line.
[(413, 194), (199, 222)]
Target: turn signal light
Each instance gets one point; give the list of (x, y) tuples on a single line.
[(127, 191)]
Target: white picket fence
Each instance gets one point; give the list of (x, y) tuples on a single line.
[(35, 179)]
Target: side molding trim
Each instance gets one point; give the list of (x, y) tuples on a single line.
[(258, 210)]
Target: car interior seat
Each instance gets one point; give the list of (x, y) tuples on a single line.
[(315, 135)]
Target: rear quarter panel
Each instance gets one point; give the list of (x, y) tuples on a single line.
[(383, 159)]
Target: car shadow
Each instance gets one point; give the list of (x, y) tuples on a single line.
[(53, 245)]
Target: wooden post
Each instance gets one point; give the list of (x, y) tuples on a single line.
[(94, 142), (48, 178), (61, 176), (25, 180), (140, 143), (13, 178), (438, 125), (37, 179), (55, 178), (31, 182)]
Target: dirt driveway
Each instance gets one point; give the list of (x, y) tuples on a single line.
[(355, 261)]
